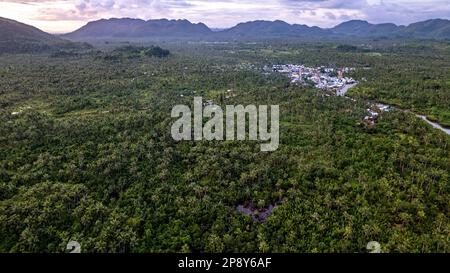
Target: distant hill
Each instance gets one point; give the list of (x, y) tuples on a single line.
[(360, 28), (136, 28), (431, 29), (269, 29), (16, 37), (438, 29)]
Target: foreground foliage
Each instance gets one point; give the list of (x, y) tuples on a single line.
[(88, 156)]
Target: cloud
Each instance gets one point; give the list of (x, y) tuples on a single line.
[(96, 9), (29, 1), (226, 13), (330, 16)]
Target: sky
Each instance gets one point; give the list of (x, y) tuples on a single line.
[(60, 16)]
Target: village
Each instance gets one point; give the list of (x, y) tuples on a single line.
[(325, 78), (321, 77), (328, 79)]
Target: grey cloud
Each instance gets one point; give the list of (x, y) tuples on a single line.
[(330, 16), (226, 12)]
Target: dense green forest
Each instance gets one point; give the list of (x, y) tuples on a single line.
[(86, 152)]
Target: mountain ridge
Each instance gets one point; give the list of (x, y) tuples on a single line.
[(17, 37), (130, 27), (260, 29)]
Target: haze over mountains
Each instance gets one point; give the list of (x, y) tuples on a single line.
[(18, 37)]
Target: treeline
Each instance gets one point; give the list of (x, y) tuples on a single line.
[(133, 52)]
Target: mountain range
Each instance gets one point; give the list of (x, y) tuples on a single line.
[(19, 37), (438, 29)]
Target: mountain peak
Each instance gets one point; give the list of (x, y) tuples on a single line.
[(353, 23), (430, 29), (129, 27), (363, 28)]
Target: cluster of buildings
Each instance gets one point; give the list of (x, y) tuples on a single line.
[(334, 79), (20, 110), (321, 77), (374, 113)]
